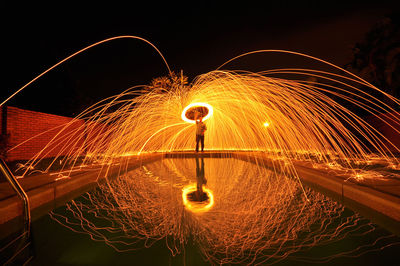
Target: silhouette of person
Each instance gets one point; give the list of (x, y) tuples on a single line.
[(201, 180), (200, 129)]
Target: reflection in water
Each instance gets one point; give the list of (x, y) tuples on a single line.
[(256, 215), (199, 194), (197, 198)]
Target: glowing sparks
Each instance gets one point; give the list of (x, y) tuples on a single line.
[(184, 115), (248, 208), (194, 206), (249, 213)]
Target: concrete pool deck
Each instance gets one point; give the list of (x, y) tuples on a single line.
[(381, 195)]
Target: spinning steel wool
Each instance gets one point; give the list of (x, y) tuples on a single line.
[(251, 212)]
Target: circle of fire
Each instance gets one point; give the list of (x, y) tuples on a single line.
[(197, 206), (192, 105)]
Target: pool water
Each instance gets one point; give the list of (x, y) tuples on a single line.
[(257, 216)]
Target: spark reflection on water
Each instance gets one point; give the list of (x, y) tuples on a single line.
[(257, 216)]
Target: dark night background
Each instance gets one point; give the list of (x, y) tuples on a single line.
[(195, 37)]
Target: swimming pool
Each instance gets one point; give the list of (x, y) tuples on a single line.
[(251, 215)]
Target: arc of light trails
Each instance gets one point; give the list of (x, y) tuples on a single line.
[(357, 78), (155, 133), (300, 54), (82, 50), (278, 217), (370, 108)]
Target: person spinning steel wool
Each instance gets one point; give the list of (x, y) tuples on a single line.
[(200, 129)]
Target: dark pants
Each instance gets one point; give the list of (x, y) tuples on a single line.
[(199, 138)]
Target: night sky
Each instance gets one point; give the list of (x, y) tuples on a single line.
[(195, 38)]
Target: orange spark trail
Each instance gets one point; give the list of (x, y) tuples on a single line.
[(254, 212)]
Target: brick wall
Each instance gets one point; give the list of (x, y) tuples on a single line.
[(387, 125), (29, 132)]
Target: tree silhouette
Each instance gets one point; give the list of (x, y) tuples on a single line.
[(377, 57), (168, 83)]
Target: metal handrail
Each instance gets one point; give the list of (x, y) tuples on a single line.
[(21, 193)]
